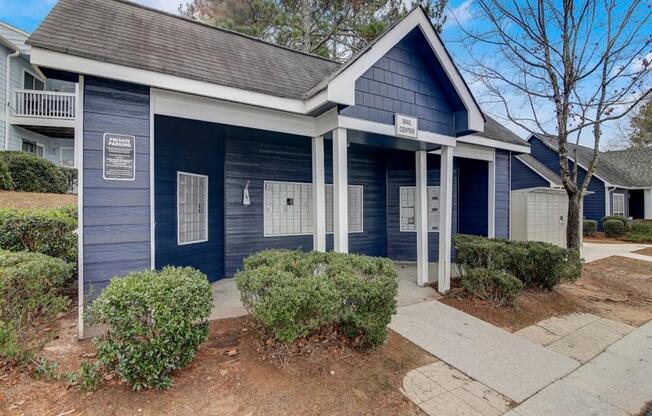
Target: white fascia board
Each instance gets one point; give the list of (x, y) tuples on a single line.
[(341, 89), (194, 107), (389, 130), (85, 66), (471, 151), (41, 121), (497, 144)]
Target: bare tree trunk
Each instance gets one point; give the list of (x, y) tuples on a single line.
[(573, 239)]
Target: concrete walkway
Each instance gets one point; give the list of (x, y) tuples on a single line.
[(616, 382), (596, 251), (507, 363)]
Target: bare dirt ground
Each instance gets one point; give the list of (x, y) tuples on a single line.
[(35, 200), (646, 251), (332, 380), (616, 288), (600, 238)]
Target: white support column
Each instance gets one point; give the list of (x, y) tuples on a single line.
[(491, 205), (445, 218), (318, 195), (340, 192), (647, 204), (421, 215), (79, 164)]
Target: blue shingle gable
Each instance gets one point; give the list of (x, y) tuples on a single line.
[(407, 80)]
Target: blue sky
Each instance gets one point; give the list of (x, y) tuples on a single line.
[(27, 14)]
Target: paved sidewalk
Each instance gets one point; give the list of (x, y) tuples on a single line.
[(616, 382), (507, 363), (596, 251)]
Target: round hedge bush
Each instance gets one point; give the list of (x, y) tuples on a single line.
[(614, 228), (589, 227), (494, 286), (31, 173), (294, 293), (157, 321)]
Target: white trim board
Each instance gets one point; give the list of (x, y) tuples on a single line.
[(497, 144)]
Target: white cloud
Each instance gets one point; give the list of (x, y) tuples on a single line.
[(170, 6), (461, 14)]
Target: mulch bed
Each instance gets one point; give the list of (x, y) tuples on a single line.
[(645, 251), (236, 372), (616, 288)]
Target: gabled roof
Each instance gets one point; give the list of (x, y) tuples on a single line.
[(541, 169), (13, 38), (128, 34), (625, 168), (496, 131)]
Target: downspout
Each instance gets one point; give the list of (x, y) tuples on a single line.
[(7, 86), (608, 208)]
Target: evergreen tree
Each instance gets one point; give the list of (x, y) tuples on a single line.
[(641, 124)]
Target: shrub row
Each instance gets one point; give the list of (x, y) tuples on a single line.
[(294, 293), (641, 232), (32, 288), (535, 264), (156, 320), (26, 172), (46, 231)]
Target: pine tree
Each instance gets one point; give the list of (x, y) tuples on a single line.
[(641, 124)]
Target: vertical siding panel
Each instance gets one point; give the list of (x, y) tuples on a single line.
[(114, 107)]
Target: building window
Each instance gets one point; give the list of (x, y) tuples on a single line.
[(618, 204), (67, 156), (192, 208), (289, 208), (407, 199), (33, 147), (30, 82)]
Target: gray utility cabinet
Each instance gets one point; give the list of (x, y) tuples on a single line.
[(539, 214)]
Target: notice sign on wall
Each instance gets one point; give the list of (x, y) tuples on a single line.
[(119, 162), (406, 126)]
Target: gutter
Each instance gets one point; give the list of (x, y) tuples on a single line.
[(7, 86)]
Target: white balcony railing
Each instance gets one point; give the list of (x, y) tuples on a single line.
[(44, 104)]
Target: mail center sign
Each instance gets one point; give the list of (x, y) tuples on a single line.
[(119, 157), (406, 126)]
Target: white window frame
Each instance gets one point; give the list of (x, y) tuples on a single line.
[(61, 149), (179, 173), (265, 234), (403, 230), (613, 204), (35, 143), (36, 77)]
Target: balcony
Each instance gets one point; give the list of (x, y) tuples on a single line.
[(46, 112)]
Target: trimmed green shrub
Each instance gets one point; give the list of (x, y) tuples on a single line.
[(156, 320), (294, 293), (641, 232), (620, 218), (614, 228), (642, 227), (32, 286), (6, 183), (31, 173), (71, 177), (494, 286), (534, 263), (46, 231), (589, 227)]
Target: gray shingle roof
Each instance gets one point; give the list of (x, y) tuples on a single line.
[(494, 130), (548, 174), (626, 168), (123, 33)]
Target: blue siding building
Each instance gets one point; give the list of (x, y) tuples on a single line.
[(621, 183), (202, 157)]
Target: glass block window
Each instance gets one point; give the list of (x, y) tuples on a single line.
[(618, 204), (407, 199), (288, 208), (192, 208)]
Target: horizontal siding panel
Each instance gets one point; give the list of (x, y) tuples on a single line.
[(101, 253), (93, 178), (113, 215), (111, 197), (115, 234), (94, 159), (103, 272)]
